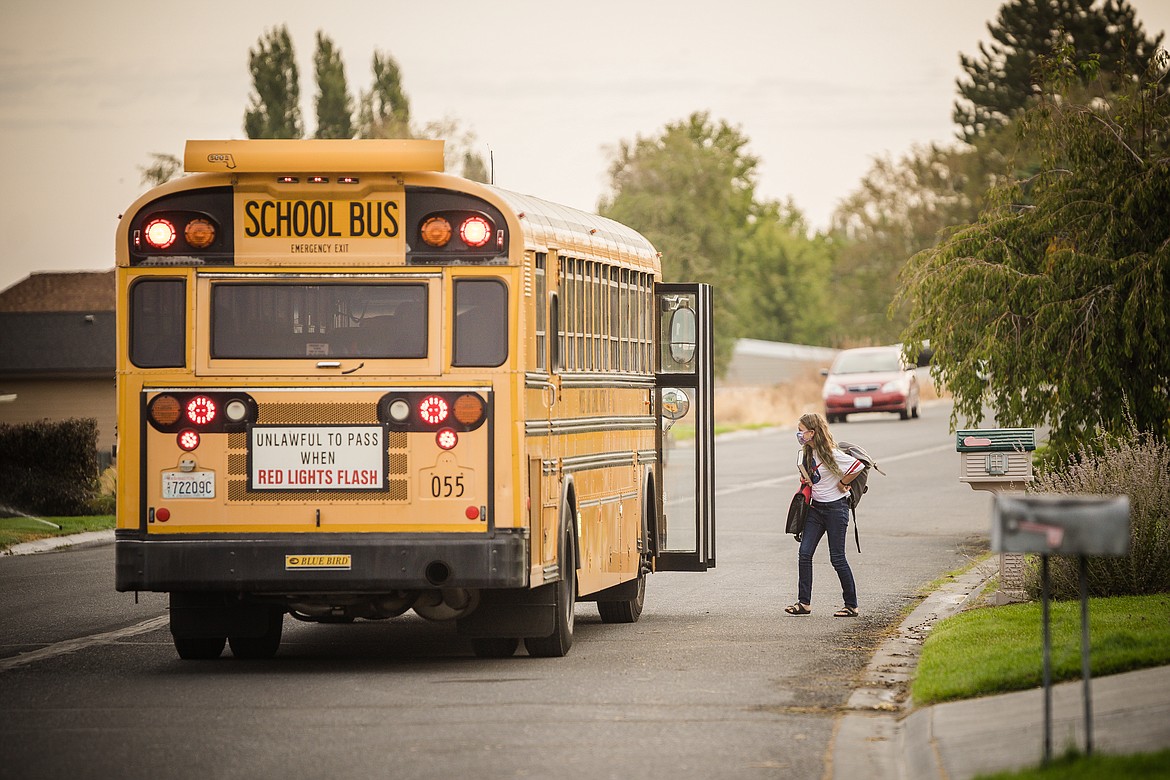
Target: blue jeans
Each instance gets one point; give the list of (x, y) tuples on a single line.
[(831, 519)]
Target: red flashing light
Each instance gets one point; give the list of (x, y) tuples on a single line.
[(160, 233), (475, 231)]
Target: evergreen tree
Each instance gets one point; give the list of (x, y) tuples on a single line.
[(275, 110), (334, 104), (1002, 80), (385, 109)]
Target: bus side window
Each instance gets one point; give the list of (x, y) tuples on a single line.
[(481, 322), (158, 323)]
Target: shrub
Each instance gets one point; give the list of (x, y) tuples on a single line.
[(1134, 465), (49, 467)]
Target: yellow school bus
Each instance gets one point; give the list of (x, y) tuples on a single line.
[(350, 385)]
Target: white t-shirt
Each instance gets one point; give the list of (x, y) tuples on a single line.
[(825, 487)]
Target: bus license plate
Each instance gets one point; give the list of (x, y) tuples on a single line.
[(188, 484)]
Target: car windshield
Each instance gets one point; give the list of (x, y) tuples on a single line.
[(864, 362)]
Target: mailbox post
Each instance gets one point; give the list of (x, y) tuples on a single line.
[(998, 460), (1050, 524)]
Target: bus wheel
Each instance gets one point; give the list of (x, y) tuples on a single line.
[(495, 647), (199, 648), (560, 640), (626, 610), (263, 646)]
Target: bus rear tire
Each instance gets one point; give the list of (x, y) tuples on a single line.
[(626, 610), (557, 644), (263, 646), (199, 648), (495, 647)]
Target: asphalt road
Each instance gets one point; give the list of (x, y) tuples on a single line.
[(714, 681)]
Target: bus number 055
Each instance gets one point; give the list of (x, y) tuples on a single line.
[(447, 487)]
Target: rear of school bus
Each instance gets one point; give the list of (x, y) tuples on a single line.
[(318, 373)]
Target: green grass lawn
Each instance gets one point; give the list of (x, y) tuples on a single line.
[(999, 649), (14, 530), (1152, 766)]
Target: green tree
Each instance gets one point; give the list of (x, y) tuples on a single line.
[(1058, 291), (163, 168), (334, 103), (385, 109), (900, 208), (275, 110), (787, 284), (691, 192), (459, 154), (1002, 80)]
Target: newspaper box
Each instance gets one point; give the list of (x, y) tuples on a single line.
[(996, 458)]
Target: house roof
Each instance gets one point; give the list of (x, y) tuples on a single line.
[(57, 344), (88, 292)]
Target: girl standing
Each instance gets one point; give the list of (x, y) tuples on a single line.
[(828, 471)]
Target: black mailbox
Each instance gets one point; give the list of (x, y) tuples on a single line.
[(1061, 524)]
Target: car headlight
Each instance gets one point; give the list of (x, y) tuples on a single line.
[(896, 386), (832, 389)]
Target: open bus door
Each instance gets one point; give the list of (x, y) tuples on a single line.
[(684, 536)]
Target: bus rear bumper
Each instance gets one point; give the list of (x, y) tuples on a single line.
[(292, 563)]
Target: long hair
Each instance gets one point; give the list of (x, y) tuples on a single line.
[(822, 442)]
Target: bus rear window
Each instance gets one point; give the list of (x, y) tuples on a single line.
[(158, 323), (287, 321), (481, 322)]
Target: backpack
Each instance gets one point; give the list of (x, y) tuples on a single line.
[(860, 483)]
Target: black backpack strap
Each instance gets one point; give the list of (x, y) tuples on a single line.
[(856, 537)]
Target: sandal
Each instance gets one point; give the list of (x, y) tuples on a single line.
[(846, 612), (798, 609)]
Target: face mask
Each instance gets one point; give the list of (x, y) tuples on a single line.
[(800, 437)]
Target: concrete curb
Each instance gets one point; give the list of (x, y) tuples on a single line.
[(50, 543), (871, 739)]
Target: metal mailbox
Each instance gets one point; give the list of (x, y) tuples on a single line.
[(1057, 524), (996, 458)]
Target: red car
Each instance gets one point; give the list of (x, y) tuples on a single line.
[(870, 379)]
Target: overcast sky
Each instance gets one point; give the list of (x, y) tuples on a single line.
[(89, 90)]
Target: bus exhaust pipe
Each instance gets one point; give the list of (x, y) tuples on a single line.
[(446, 604)]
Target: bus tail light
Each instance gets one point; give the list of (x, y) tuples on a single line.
[(446, 439), (188, 439), (205, 412), (472, 513), (201, 410), (433, 409)]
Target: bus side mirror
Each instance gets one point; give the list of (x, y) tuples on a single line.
[(675, 405), (683, 335)]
